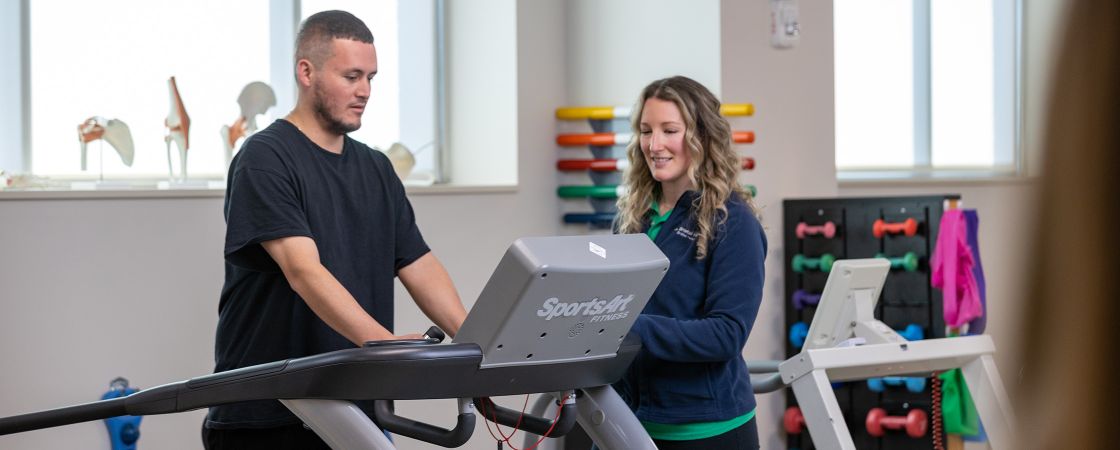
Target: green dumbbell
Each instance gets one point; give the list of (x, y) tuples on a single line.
[(612, 191), (908, 262), (822, 263), (591, 191)]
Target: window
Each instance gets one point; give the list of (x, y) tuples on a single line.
[(113, 59), (925, 87)]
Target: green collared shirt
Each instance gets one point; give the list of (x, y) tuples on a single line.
[(694, 431), (656, 220)]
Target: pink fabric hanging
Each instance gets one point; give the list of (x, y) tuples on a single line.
[(952, 271)]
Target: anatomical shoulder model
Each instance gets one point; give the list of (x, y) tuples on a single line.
[(113, 131)]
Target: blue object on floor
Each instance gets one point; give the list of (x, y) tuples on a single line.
[(124, 431)]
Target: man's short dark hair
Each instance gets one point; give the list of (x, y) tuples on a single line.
[(313, 42)]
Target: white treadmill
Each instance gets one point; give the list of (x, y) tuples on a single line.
[(846, 342)]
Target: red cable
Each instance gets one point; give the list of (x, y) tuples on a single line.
[(517, 427), (935, 391), (498, 426), (495, 420), (487, 422)]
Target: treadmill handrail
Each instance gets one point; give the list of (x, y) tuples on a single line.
[(192, 394), (63, 416), (390, 421)]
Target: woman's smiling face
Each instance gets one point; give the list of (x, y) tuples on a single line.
[(662, 142)]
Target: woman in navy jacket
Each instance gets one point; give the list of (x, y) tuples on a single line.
[(689, 386)]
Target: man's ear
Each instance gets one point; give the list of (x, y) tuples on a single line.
[(304, 71)]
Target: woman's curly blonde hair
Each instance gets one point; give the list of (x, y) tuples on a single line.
[(714, 168)]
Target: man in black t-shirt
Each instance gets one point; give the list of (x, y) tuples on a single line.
[(318, 226)]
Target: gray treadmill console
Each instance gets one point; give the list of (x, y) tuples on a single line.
[(553, 299), (848, 300)]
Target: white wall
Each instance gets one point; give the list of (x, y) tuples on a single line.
[(95, 289), (616, 48)]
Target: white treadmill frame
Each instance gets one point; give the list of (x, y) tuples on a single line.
[(850, 308)]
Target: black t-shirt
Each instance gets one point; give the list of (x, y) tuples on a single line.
[(351, 204)]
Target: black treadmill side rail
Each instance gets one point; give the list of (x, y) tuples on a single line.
[(63, 416), (294, 378), (367, 373)]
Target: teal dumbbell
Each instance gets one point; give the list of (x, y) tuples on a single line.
[(908, 262), (798, 333), (913, 384), (822, 263), (912, 332)]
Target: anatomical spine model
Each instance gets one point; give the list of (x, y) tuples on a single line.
[(178, 129), (255, 99), (113, 131)]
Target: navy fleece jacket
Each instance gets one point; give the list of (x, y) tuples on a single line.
[(693, 329)]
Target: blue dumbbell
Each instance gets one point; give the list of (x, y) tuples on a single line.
[(912, 332), (913, 384), (798, 333)]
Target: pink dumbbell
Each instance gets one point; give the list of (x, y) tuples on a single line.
[(828, 230), (915, 422)]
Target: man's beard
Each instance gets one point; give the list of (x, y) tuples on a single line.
[(330, 122)]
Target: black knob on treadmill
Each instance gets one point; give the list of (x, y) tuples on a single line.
[(434, 334)]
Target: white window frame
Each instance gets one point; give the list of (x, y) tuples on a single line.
[(1007, 30), (14, 95), (284, 20)]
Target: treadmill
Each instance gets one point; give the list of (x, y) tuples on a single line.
[(554, 318)]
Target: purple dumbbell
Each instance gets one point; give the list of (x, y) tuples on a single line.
[(802, 299)]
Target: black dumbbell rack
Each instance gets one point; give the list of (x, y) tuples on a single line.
[(907, 297)]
